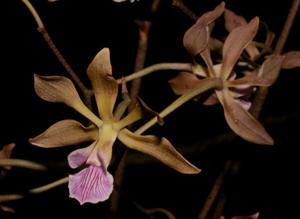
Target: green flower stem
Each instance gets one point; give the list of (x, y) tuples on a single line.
[(49, 186), (157, 67), (10, 197), (34, 13), (37, 190), (206, 84), (22, 163)]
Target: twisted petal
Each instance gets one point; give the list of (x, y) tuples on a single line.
[(80, 156), (104, 85), (232, 20), (242, 122), (62, 90), (291, 60), (235, 43), (196, 38), (56, 89), (183, 82), (65, 132), (270, 68), (159, 148), (92, 184)]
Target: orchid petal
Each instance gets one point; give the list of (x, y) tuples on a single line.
[(6, 151), (64, 133), (248, 81), (80, 156), (91, 184), (211, 100), (159, 148), (232, 20), (242, 122), (183, 82), (62, 90), (253, 216), (105, 87), (210, 16), (199, 70), (196, 38), (291, 60), (235, 43), (215, 44), (132, 117), (270, 68), (205, 54), (57, 89), (269, 38)]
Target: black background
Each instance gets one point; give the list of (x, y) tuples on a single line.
[(80, 29)]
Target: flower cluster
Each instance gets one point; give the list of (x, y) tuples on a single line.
[(231, 94)]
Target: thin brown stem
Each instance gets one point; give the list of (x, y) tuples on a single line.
[(157, 67), (41, 28), (262, 92), (287, 27), (257, 105), (179, 4), (144, 28), (220, 206), (63, 61), (214, 191)]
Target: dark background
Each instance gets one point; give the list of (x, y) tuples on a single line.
[(266, 181)]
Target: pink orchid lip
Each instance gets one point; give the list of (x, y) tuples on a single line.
[(91, 185)]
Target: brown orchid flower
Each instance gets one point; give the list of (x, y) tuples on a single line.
[(234, 89), (94, 183)]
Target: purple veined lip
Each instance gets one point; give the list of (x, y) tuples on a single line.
[(91, 185)]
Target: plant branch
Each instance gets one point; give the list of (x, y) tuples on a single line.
[(22, 163), (179, 4), (157, 67), (37, 190), (257, 103), (287, 27), (262, 92), (41, 28), (214, 191), (207, 84), (144, 29)]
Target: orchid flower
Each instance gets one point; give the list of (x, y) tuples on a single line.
[(94, 183), (230, 95)]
